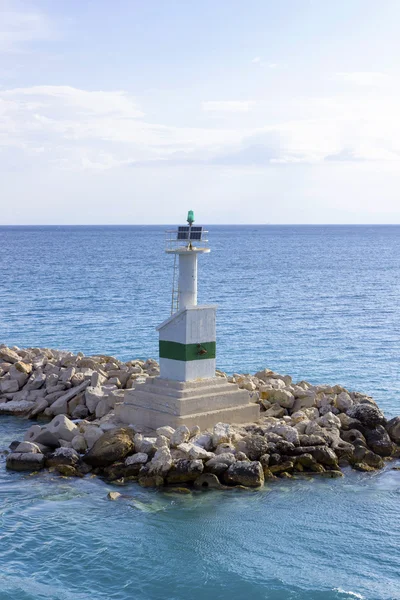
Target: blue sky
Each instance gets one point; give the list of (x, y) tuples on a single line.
[(246, 111)]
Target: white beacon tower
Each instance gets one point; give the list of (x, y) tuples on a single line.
[(188, 337), (187, 392)]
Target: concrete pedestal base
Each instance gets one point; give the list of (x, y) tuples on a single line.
[(205, 402)]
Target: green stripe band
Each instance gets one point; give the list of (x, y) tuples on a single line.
[(185, 352)]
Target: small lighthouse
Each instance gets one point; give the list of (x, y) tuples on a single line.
[(187, 339), (187, 392)]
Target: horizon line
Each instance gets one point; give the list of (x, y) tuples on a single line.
[(208, 224)]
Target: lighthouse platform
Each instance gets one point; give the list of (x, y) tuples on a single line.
[(203, 402)]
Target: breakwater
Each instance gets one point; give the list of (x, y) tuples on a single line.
[(71, 399)]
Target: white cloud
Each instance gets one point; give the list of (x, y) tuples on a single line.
[(230, 106), (72, 128)]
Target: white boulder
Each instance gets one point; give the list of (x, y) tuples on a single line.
[(222, 433), (62, 428), (180, 436)]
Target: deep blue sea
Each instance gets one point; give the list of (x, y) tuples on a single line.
[(321, 303)]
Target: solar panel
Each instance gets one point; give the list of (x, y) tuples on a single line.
[(195, 233)]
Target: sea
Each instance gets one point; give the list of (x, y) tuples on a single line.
[(321, 303)]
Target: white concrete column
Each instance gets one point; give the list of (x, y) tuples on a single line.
[(187, 279)]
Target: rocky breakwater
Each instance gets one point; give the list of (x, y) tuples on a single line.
[(303, 429), (40, 381)]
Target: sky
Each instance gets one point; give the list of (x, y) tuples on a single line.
[(246, 111)]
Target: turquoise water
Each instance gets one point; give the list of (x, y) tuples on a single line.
[(320, 303)]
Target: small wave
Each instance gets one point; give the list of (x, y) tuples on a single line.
[(350, 593)]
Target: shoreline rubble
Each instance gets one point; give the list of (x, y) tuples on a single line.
[(303, 429)]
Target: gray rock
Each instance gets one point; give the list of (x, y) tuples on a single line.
[(393, 429), (46, 438), (228, 458), (35, 381), (145, 445), (140, 458), (22, 407), (80, 412), (8, 386), (62, 456), (60, 406), (311, 440), (25, 461), (79, 444), (92, 434), (27, 447), (63, 428), (249, 474), (255, 446)]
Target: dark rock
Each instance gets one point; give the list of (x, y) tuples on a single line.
[(115, 471), (352, 435), (256, 446), (241, 456), (325, 456), (208, 481), (363, 467), (264, 460), (68, 471), (62, 456), (284, 447), (275, 459), (311, 440), (369, 415), (151, 480), (349, 423), (112, 446), (184, 471), (298, 450), (379, 441), (46, 438), (393, 429), (373, 460), (217, 468), (271, 448), (80, 412), (284, 466), (272, 437), (285, 475), (305, 460), (250, 474), (332, 474), (25, 461), (14, 445)]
